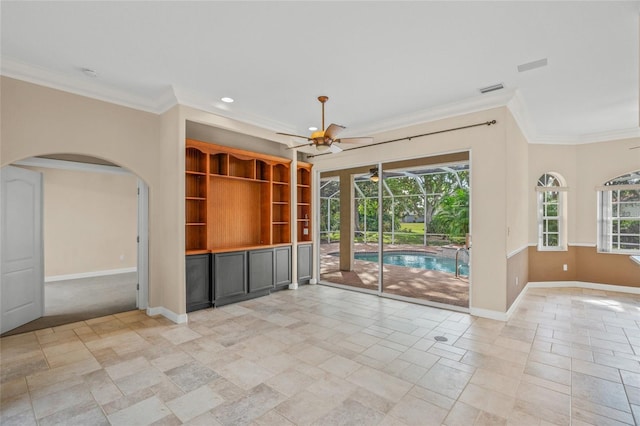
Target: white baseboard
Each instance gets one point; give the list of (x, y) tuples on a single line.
[(583, 284), (504, 316), (293, 286), (488, 313), (516, 302), (53, 278), (170, 315)]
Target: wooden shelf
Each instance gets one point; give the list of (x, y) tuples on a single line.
[(235, 198), (196, 181), (219, 164), (303, 206), (196, 161)]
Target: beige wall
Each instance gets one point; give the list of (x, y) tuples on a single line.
[(488, 193), (583, 264), (90, 221), (37, 120), (584, 167), (559, 159), (517, 274), (597, 163), (517, 186)]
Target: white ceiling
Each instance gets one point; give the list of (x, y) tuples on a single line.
[(383, 64)]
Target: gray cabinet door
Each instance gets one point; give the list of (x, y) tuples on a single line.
[(282, 264), (305, 261), (198, 282), (260, 270), (230, 274)]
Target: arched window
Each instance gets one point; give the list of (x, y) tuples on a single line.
[(551, 212), (619, 215)]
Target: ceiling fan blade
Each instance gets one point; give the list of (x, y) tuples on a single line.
[(335, 148), (295, 136), (332, 131), (354, 140), (301, 145)]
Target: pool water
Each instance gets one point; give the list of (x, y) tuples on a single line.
[(417, 260)]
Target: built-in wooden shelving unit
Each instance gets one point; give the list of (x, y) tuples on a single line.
[(238, 224), (303, 212), (236, 199)]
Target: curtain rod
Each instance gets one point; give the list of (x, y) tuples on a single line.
[(486, 123)]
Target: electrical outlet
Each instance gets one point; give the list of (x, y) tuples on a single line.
[(517, 282), (121, 257), (565, 267)]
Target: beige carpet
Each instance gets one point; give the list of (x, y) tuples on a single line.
[(82, 299)]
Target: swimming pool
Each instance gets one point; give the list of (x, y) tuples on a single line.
[(416, 260)]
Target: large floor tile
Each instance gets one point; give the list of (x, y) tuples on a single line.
[(322, 355)]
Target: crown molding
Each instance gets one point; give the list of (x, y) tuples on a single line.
[(518, 109), (454, 109), (172, 96), (193, 100), (84, 87), (587, 138)]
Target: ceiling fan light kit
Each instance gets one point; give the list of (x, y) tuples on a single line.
[(374, 175)]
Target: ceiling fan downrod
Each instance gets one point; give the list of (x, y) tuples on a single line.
[(322, 100)]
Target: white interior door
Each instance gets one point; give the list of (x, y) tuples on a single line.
[(22, 273)]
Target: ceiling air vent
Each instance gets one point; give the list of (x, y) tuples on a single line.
[(532, 65), (491, 88)]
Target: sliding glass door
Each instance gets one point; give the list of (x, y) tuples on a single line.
[(413, 215), (349, 228), (425, 217)]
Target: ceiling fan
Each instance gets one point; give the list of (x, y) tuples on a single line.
[(325, 139)]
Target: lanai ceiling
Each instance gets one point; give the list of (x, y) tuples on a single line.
[(384, 65)]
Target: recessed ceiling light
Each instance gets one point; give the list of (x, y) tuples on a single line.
[(89, 72), (227, 99), (313, 128)]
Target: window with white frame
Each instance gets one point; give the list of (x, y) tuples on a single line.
[(619, 215), (551, 212)]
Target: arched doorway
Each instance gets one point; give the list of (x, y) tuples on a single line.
[(94, 239)]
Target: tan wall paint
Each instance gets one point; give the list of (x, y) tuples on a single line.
[(604, 268), (488, 196), (584, 167), (37, 120), (584, 264), (517, 151), (517, 267), (560, 159), (167, 258), (90, 220), (547, 265), (598, 163), (517, 186)]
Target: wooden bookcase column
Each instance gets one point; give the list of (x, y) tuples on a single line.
[(238, 235)]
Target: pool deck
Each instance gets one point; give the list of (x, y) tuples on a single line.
[(417, 283)]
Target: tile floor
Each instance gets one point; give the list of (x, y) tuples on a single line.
[(325, 356)]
